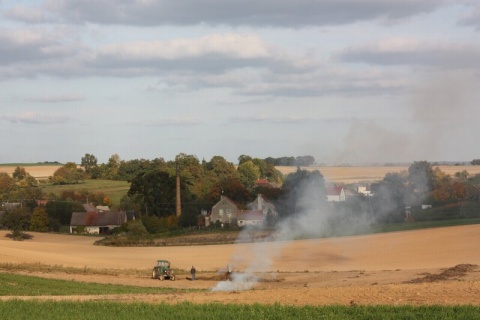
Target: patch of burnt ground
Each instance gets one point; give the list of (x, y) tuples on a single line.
[(454, 273)]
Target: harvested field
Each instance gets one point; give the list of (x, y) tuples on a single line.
[(334, 174), (357, 174), (40, 171), (424, 267)]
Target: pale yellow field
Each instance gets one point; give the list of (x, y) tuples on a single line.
[(334, 174), (357, 174), (35, 171)]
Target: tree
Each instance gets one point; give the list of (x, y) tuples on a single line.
[(18, 221), (421, 177), (248, 173), (303, 190), (89, 164), (244, 158), (7, 185), (475, 162), (68, 174), (157, 191), (39, 220), (19, 173), (389, 198)]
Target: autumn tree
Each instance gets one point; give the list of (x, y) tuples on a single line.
[(248, 174), (7, 185), (39, 219), (68, 174)]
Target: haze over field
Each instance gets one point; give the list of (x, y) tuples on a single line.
[(343, 81)]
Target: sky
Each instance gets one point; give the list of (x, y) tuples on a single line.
[(345, 81)]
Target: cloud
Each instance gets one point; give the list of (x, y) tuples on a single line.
[(409, 51), (26, 14), (472, 18), (34, 118), (56, 98), (165, 122), (233, 13)]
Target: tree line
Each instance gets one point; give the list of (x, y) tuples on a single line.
[(153, 183)]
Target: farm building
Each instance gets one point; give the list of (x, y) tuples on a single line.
[(94, 221), (335, 193)]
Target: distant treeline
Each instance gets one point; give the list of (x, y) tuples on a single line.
[(301, 161)]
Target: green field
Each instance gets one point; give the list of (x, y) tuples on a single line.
[(52, 310), (112, 188), (19, 285)]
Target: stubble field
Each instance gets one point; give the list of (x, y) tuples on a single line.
[(424, 267), (334, 174)]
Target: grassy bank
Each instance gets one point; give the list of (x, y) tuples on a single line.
[(16, 309)]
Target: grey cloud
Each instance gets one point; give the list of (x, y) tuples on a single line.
[(34, 118), (24, 46), (448, 55), (228, 12), (472, 19), (26, 14), (270, 119), (56, 98), (166, 122)]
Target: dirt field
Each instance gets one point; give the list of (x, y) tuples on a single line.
[(436, 266)]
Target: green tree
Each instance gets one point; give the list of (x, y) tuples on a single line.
[(89, 164), (68, 174), (248, 174), (18, 221), (39, 219), (244, 158), (157, 191)]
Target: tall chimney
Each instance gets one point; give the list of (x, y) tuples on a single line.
[(179, 203)]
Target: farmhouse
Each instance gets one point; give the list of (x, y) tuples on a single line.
[(250, 218), (335, 193), (94, 221), (226, 211)]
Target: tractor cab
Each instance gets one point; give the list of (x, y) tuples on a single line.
[(162, 271)]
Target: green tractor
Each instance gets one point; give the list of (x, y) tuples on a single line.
[(162, 271)]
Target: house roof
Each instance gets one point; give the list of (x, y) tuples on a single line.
[(334, 190), (265, 183), (94, 218), (225, 198), (250, 215)]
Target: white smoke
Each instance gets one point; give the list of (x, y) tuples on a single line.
[(253, 259)]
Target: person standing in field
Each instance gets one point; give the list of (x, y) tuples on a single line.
[(193, 272)]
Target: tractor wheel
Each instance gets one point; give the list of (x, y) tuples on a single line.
[(172, 277), (161, 278), (154, 274)]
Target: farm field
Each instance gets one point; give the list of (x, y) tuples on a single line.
[(437, 266), (357, 174), (334, 174)]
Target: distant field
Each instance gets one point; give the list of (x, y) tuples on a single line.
[(36, 170), (335, 174), (357, 174)]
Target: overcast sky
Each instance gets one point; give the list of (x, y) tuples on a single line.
[(346, 81)]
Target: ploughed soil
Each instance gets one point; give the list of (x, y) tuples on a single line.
[(438, 266)]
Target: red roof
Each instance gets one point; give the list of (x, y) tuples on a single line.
[(334, 190)]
